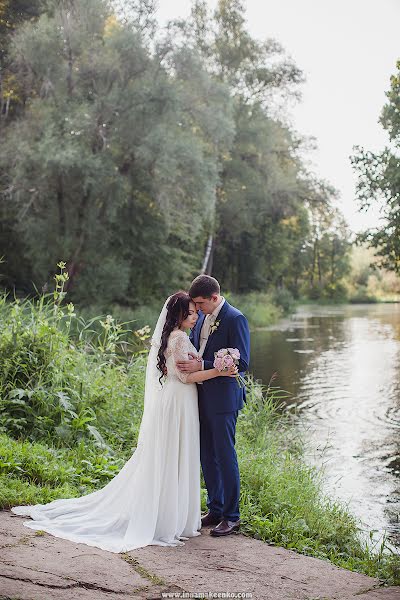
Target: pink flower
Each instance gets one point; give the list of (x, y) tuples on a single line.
[(222, 352), (218, 363), (227, 358), (228, 361)]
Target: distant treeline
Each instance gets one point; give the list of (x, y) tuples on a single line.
[(140, 155)]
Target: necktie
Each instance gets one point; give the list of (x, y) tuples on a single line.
[(205, 332)]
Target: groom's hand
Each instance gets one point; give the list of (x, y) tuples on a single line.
[(189, 366)]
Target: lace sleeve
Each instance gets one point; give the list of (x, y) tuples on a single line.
[(179, 348)]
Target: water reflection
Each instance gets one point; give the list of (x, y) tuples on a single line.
[(342, 366)]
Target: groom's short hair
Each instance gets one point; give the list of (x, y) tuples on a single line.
[(205, 286)]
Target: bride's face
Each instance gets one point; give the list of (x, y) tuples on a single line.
[(192, 317)]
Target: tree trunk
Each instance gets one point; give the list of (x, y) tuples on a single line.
[(333, 254), (319, 268), (207, 262)]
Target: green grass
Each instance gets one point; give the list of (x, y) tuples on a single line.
[(282, 498), (260, 309), (140, 316), (76, 421)]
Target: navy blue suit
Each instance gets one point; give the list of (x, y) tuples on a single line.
[(220, 400)]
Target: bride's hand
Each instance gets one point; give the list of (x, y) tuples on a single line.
[(231, 372)]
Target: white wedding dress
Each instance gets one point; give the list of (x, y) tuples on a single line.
[(155, 498)]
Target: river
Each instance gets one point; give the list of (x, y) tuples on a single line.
[(341, 365)]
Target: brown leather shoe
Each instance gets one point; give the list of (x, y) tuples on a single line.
[(210, 519), (225, 528)]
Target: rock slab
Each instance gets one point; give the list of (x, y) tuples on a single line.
[(35, 566)]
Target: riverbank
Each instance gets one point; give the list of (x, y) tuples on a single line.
[(361, 299), (38, 565), (261, 309), (70, 412)]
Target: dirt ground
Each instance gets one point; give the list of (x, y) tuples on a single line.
[(39, 566)]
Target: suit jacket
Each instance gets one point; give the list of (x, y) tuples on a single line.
[(223, 394)]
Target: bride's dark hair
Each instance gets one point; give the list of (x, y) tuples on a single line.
[(177, 312)]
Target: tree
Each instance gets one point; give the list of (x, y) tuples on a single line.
[(12, 15), (259, 206), (140, 156), (257, 186), (379, 182), (113, 165), (254, 70)]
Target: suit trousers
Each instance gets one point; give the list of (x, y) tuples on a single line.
[(219, 463)]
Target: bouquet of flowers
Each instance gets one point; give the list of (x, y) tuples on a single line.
[(226, 358)]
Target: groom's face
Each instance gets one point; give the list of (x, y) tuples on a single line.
[(206, 305)]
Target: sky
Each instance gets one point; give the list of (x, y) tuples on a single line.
[(347, 50)]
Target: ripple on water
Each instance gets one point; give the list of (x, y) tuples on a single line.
[(346, 396), (392, 416), (340, 408), (321, 386), (393, 463)]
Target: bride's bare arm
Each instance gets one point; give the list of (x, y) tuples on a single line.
[(199, 376)]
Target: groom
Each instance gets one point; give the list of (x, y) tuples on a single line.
[(219, 325)]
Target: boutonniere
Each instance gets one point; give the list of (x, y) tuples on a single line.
[(214, 327)]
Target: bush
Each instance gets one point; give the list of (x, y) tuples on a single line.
[(283, 298), (53, 383), (335, 291), (362, 296), (259, 308), (138, 317)]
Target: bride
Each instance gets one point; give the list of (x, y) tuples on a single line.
[(155, 498)]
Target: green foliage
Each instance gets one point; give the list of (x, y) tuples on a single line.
[(327, 251), (379, 182), (253, 69), (57, 371), (261, 224), (117, 154), (12, 14), (130, 145), (259, 308), (366, 281), (45, 465), (265, 199), (283, 298)]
